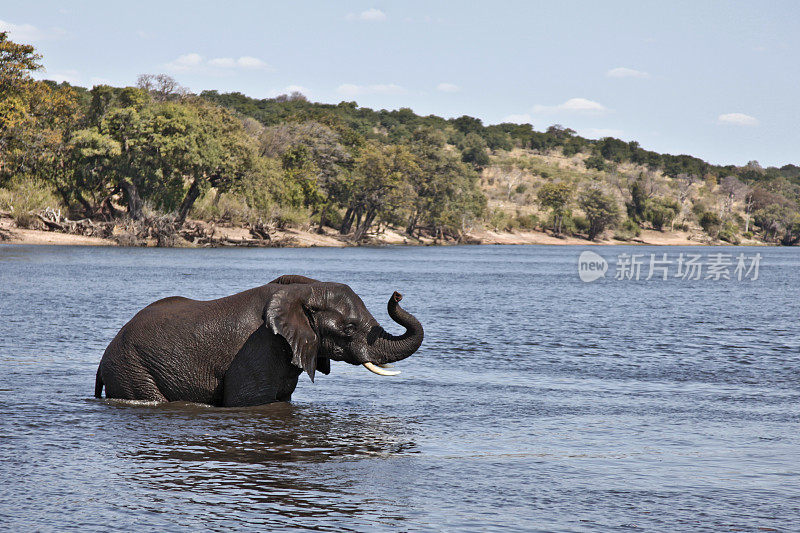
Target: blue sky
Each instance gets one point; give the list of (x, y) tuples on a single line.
[(719, 80)]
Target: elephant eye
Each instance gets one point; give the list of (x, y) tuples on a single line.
[(349, 329)]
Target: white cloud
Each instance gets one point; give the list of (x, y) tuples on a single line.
[(349, 89), (27, 32), (448, 88), (624, 72), (196, 62), (370, 15), (737, 119), (186, 62), (599, 133), (222, 62), (522, 118), (573, 105), (250, 62)]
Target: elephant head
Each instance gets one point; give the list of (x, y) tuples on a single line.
[(328, 321)]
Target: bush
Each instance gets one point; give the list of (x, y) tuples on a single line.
[(333, 218), (27, 220), (711, 224), (224, 207), (6, 200), (628, 230), (595, 162), (581, 224), (698, 208), (728, 233), (567, 224), (25, 195), (747, 235), (528, 222), (290, 217), (499, 220), (602, 212), (661, 212)]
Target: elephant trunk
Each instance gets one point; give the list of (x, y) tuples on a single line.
[(385, 348)]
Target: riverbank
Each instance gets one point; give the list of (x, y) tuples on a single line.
[(296, 238)]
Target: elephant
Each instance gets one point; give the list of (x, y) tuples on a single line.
[(249, 348)]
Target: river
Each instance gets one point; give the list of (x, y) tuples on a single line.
[(537, 401)]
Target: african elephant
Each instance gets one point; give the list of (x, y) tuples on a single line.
[(249, 348)]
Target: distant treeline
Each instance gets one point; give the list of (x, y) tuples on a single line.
[(156, 150)]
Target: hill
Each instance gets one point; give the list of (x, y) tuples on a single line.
[(155, 162)]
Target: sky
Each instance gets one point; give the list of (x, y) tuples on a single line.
[(718, 80)]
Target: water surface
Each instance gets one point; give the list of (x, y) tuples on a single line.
[(537, 401)]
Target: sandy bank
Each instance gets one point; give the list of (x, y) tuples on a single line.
[(293, 238)]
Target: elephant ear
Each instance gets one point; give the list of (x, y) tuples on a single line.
[(286, 317)]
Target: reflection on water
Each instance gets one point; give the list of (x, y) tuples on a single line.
[(266, 458), (280, 432), (536, 401)]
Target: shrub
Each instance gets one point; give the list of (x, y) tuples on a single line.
[(581, 224), (567, 224), (499, 220), (728, 233), (661, 212), (595, 162), (528, 222), (628, 230), (27, 220), (601, 210), (25, 195), (290, 217), (228, 207), (711, 224)]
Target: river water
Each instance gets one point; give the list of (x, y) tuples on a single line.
[(537, 401)]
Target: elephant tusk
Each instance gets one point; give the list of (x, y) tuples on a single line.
[(386, 365), (381, 372)]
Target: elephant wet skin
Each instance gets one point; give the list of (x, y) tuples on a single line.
[(249, 348)]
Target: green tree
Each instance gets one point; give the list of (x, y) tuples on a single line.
[(446, 199), (197, 145), (661, 212), (328, 162), (91, 181), (35, 117), (601, 210), (556, 197), (711, 224), (380, 187), (638, 204), (473, 150)]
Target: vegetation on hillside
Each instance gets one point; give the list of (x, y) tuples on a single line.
[(155, 155)]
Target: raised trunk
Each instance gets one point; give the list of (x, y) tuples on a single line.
[(387, 348)]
